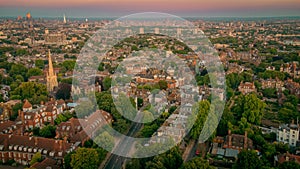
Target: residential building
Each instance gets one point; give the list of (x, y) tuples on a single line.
[(288, 134)]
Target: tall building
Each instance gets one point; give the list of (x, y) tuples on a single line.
[(51, 76), (65, 20), (28, 16)]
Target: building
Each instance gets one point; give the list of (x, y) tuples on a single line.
[(51, 76), (80, 130), (5, 111), (22, 148), (230, 145), (247, 87), (293, 87), (288, 134), (272, 83), (46, 113), (55, 39)]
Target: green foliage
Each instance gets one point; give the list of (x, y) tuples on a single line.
[(63, 117), (196, 163), (34, 72), (249, 107), (37, 157), (40, 64), (48, 131), (84, 109), (64, 91), (106, 83), (105, 140), (289, 165), (201, 109), (68, 65), (18, 69), (272, 74), (247, 159), (163, 85), (233, 80), (169, 160), (15, 110), (67, 160), (86, 158), (270, 92), (34, 92)]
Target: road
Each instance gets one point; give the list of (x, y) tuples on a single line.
[(124, 146), (192, 152)]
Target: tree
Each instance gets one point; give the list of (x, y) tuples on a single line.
[(196, 163), (169, 160), (37, 157), (34, 72), (15, 110), (163, 85), (201, 109), (69, 65), (289, 165), (105, 140), (247, 159), (34, 92), (18, 69), (250, 107), (67, 160), (106, 83), (48, 131), (84, 109), (64, 91), (40, 64), (86, 158), (270, 92)]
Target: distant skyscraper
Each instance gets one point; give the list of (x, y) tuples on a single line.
[(65, 20), (51, 76), (28, 16)]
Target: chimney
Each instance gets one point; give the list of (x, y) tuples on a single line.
[(293, 121), (21, 113), (246, 140), (229, 138), (35, 141), (60, 144)]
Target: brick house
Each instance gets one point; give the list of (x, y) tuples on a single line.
[(247, 87), (81, 130), (22, 148)]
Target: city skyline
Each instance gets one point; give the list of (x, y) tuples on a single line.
[(116, 8)]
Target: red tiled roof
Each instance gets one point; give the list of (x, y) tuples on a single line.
[(48, 162), (27, 104)]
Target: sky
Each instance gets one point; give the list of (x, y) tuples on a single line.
[(116, 8)]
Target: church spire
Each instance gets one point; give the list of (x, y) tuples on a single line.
[(51, 76)]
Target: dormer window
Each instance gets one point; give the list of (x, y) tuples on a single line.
[(51, 154), (16, 147), (60, 153)]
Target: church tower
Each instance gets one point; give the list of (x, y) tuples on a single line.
[(51, 76)]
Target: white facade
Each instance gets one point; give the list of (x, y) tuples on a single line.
[(288, 134)]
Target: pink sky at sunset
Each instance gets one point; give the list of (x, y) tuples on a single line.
[(144, 4), (154, 5)]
